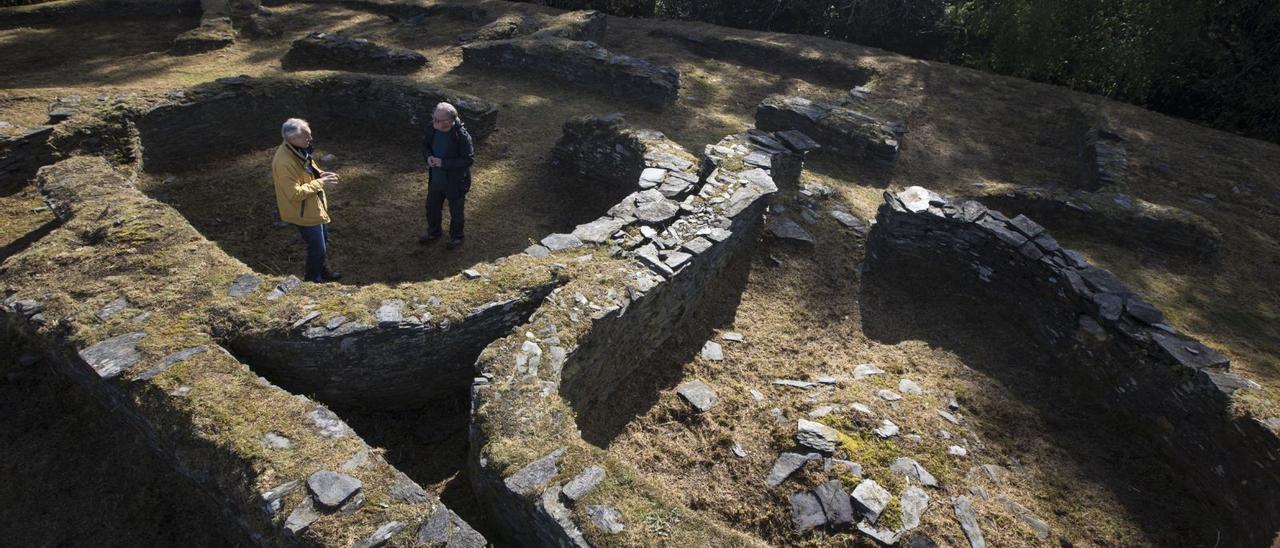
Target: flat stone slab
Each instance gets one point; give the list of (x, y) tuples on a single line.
[(836, 504), (536, 474), (326, 50), (817, 436), (786, 465), (839, 129), (969, 522), (791, 231), (606, 518), (806, 511), (699, 395), (445, 528), (871, 499), (331, 489), (112, 356), (244, 284), (557, 242), (583, 483)]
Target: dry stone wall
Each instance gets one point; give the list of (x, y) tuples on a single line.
[(839, 129), (1175, 391), (770, 56), (330, 51), (241, 114)]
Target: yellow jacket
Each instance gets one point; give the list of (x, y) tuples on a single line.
[(299, 195)]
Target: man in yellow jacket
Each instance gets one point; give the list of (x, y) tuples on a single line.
[(300, 195)]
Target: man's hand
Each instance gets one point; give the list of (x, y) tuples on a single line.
[(433, 161), (329, 178)]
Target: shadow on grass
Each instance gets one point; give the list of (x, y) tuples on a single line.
[(903, 306)]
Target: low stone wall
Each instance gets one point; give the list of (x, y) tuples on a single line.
[(329, 51), (287, 470), (22, 155), (840, 130), (241, 114), (771, 57), (401, 362), (1106, 163), (583, 64), (575, 25), (212, 34), (399, 9), (1118, 218), (1175, 391), (529, 463)]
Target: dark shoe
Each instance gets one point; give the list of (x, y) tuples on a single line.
[(330, 276), (454, 243), (428, 238)]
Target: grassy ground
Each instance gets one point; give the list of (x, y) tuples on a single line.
[(815, 314)]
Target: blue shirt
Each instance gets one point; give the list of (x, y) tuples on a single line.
[(439, 146)]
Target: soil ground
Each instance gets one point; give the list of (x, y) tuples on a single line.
[(814, 314)]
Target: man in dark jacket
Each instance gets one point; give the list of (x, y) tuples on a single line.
[(449, 153)]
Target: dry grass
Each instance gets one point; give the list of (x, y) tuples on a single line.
[(814, 314)]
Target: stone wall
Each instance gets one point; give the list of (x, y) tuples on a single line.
[(574, 25), (464, 10), (584, 64), (840, 130), (401, 362), (1106, 163), (1175, 391), (241, 114), (329, 51), (63, 13), (22, 155), (589, 335)]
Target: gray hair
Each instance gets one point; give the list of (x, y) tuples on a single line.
[(293, 126), (448, 109)]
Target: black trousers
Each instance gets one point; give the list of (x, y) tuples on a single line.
[(435, 207)]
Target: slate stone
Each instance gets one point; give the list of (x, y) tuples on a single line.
[(888, 395), (332, 489), (112, 308), (657, 211), (606, 518), (171, 360), (112, 356), (305, 320), (887, 429), (968, 522), (244, 284), (1143, 311), (1189, 353), (908, 467), (836, 505), (848, 220), (804, 385), (537, 250), (1026, 226), (556, 242), (381, 535), (786, 465), (732, 336), (909, 387), (301, 517), (919, 540), (817, 436), (274, 440), (470, 274), (583, 483), (699, 395), (403, 489), (536, 474), (697, 245), (712, 350), (273, 498), (390, 312), (676, 259), (948, 417), (796, 140), (1109, 305), (327, 423), (864, 370), (599, 230), (914, 501), (331, 51), (286, 285), (870, 499), (791, 231), (445, 528), (1038, 525), (806, 511)]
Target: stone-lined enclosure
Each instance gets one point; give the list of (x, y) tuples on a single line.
[(1173, 390)]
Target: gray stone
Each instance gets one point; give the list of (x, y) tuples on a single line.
[(331, 489), (599, 230), (697, 245), (738, 451), (290, 283), (444, 527), (796, 140), (698, 394), (112, 356), (331, 51), (328, 424), (305, 319), (1143, 311), (562, 516), (536, 474), (556, 242), (676, 259), (968, 522), (949, 417), (806, 511), (817, 436), (805, 385), (732, 336), (335, 322), (888, 395), (112, 308), (914, 501), (789, 230), (786, 465), (537, 250), (403, 489), (273, 498), (470, 274), (909, 387), (657, 211), (606, 518), (712, 350), (849, 221), (887, 429), (884, 536), (301, 517), (171, 360), (244, 284), (274, 440), (908, 467), (864, 370), (835, 502), (870, 499), (1038, 525), (584, 483), (390, 312), (381, 535), (356, 461)]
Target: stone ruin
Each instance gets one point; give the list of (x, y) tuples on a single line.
[(762, 53), (1175, 391), (331, 51), (840, 130), (567, 47)]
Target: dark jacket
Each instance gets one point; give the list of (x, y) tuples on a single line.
[(456, 160)]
